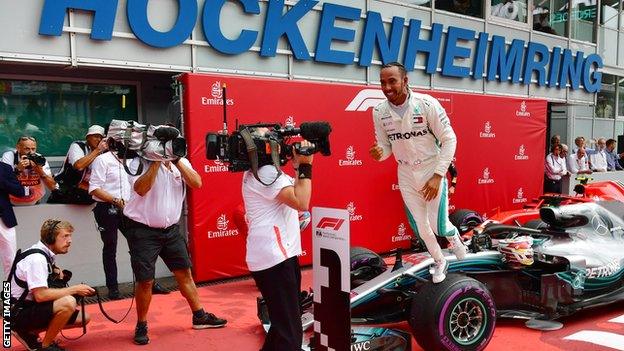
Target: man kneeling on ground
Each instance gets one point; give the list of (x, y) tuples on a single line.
[(41, 307)]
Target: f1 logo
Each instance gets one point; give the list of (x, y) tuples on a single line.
[(330, 223)]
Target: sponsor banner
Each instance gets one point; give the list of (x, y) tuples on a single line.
[(332, 278), (500, 149)]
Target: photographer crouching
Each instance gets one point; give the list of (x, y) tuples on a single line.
[(274, 244), (40, 297)]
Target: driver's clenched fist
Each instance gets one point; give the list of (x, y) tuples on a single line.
[(376, 152)]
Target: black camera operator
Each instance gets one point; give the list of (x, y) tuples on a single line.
[(32, 170), (36, 304), (274, 244)]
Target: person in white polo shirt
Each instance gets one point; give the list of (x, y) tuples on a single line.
[(151, 227), (274, 244), (110, 188)]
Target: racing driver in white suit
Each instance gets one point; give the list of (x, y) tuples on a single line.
[(417, 130)]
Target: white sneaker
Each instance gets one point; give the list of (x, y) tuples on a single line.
[(438, 273)]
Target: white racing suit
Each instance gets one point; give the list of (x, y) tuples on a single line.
[(423, 143)]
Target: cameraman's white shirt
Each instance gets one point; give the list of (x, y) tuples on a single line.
[(161, 207), (274, 234), (108, 174), (33, 270)]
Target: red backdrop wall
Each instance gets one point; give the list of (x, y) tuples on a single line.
[(500, 160)]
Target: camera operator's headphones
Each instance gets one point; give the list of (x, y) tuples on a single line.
[(49, 237)]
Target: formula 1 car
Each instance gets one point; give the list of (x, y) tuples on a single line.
[(541, 275), (465, 220)]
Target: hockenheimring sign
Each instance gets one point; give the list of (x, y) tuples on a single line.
[(516, 63)]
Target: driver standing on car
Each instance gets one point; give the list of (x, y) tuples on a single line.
[(417, 130)]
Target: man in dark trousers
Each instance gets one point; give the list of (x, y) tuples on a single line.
[(9, 185)]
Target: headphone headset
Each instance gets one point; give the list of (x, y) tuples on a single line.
[(49, 238)]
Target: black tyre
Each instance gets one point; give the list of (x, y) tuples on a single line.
[(365, 265), (536, 224), (456, 314), (464, 220)]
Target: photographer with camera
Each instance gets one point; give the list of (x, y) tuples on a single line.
[(73, 178), (40, 297), (32, 171), (274, 244), (151, 227)]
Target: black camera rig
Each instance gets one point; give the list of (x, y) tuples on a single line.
[(252, 146), (266, 144), (38, 159)]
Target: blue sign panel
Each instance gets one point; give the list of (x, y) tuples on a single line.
[(517, 63)]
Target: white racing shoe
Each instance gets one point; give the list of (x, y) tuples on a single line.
[(438, 271)]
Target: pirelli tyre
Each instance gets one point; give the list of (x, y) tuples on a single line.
[(465, 220), (365, 265), (456, 314)]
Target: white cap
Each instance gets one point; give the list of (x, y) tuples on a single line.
[(95, 129)]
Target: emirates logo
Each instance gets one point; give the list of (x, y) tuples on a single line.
[(350, 154), (290, 121), (222, 222), (350, 158), (216, 96), (351, 208), (222, 229), (486, 178), (401, 234), (521, 156), (401, 229), (217, 166), (523, 110), (353, 217), (487, 131), (519, 197), (216, 90)]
